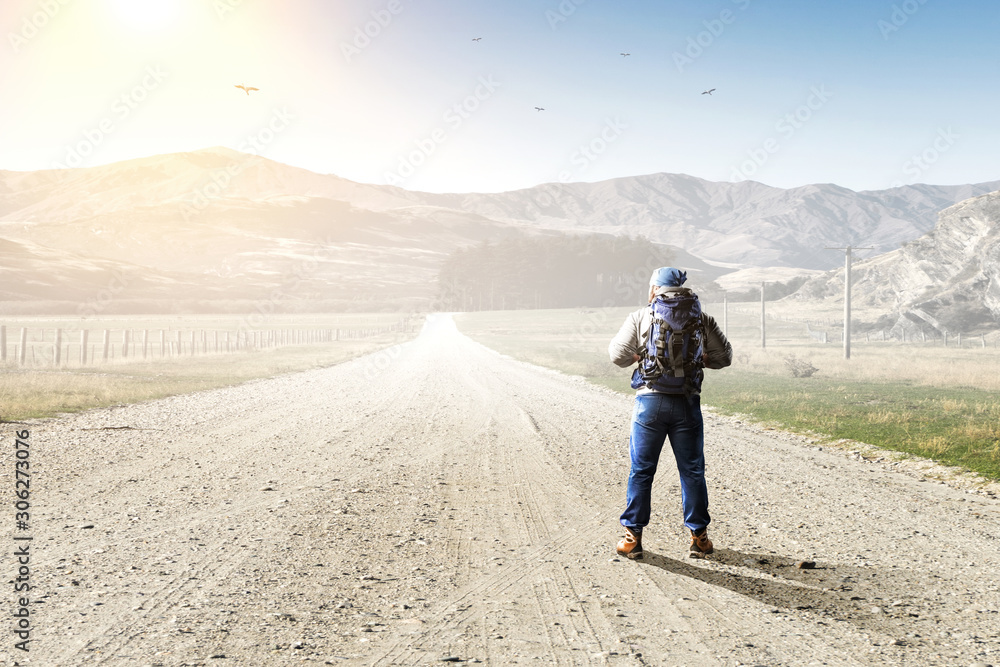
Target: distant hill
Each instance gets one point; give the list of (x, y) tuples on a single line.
[(946, 280), (742, 225), (217, 225)]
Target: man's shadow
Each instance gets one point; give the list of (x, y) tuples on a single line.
[(838, 592)]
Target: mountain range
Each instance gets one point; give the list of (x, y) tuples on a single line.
[(217, 225), (737, 225), (946, 280)]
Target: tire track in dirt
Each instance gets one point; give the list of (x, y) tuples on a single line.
[(265, 426), (534, 487)]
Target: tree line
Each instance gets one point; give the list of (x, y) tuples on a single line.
[(549, 272)]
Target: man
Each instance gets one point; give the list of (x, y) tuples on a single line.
[(666, 411)]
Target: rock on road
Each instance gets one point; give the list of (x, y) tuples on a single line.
[(438, 502)]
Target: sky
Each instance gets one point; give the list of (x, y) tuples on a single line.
[(441, 96)]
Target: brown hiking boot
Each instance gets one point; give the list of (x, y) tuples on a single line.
[(700, 544), (630, 546)]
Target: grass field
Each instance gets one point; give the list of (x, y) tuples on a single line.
[(32, 392), (917, 398)]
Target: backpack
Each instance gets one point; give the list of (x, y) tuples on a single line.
[(671, 359)]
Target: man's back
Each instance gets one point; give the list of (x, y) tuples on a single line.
[(627, 344)]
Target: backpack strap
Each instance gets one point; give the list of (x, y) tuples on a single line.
[(645, 337), (675, 352)]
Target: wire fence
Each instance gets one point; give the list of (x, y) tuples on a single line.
[(60, 347), (832, 332)]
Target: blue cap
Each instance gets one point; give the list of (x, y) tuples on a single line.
[(667, 277)]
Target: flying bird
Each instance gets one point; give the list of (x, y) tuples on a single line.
[(476, 39), (626, 54), (708, 92), (246, 89), (539, 109)]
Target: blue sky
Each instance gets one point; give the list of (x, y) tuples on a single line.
[(862, 94)]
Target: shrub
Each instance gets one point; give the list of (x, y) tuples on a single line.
[(800, 368)]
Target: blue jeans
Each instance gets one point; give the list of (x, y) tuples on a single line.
[(655, 418)]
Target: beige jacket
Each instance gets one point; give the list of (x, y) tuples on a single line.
[(628, 342)]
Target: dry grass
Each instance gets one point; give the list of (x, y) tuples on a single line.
[(41, 392), (916, 363)]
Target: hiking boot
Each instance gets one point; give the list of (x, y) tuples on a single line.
[(630, 546), (700, 544)]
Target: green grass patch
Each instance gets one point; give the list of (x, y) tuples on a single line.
[(958, 426)]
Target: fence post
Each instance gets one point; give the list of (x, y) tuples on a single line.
[(22, 353), (946, 339), (107, 344), (58, 347), (180, 344), (125, 340), (145, 342), (83, 346), (163, 343), (960, 339)]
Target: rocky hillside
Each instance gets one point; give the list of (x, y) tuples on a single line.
[(947, 280), (741, 225)]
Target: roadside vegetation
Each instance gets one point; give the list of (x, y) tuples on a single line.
[(44, 391), (916, 398)]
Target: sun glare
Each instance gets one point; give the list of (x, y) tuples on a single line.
[(146, 15)]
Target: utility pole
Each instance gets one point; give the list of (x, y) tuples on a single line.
[(763, 321), (847, 296), (725, 315)]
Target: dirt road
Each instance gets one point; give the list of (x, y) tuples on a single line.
[(438, 502)]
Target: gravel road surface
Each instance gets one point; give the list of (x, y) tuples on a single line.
[(438, 502)]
